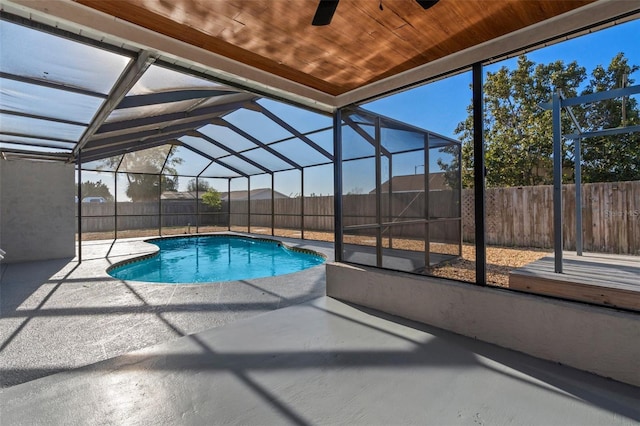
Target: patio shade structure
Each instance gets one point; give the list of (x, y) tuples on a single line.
[(107, 81), (271, 48), (557, 104), (71, 97), (362, 45), (99, 93), (111, 110)]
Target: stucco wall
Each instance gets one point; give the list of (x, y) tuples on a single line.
[(36, 210), (600, 340)]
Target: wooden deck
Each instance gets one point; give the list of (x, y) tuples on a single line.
[(611, 280)]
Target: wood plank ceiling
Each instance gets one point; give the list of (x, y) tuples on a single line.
[(363, 44)]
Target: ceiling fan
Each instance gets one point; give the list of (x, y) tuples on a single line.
[(326, 9)]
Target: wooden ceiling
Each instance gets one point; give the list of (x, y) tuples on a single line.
[(363, 44)]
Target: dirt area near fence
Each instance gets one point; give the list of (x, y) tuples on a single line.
[(500, 260)]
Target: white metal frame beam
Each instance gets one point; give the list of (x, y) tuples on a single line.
[(127, 80)]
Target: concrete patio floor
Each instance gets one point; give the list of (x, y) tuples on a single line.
[(58, 315), (267, 351), (322, 362)]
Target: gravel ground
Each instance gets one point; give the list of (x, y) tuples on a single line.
[(500, 261)]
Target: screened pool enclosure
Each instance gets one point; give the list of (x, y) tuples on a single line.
[(411, 219), (160, 149)]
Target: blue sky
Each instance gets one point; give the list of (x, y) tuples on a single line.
[(441, 105)]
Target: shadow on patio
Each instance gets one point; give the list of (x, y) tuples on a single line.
[(325, 362)]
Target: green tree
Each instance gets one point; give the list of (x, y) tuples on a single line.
[(617, 157), (212, 198), (200, 186), (96, 189), (147, 169), (144, 187), (518, 133), (451, 176)]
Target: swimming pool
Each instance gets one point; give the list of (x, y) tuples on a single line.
[(213, 258)]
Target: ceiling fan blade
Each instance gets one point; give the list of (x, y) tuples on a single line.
[(324, 13), (426, 4)]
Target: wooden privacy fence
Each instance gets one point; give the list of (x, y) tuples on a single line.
[(102, 217), (523, 216), (519, 216), (318, 213)]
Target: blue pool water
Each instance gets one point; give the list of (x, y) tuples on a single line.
[(215, 258)]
